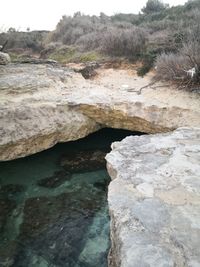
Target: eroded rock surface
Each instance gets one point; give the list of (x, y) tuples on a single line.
[(41, 105), (154, 200), (33, 115), (4, 58)]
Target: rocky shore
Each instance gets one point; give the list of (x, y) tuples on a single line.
[(154, 198)]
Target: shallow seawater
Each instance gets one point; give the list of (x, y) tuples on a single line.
[(51, 216)]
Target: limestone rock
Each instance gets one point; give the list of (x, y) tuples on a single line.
[(25, 59), (41, 105), (154, 200), (33, 115), (4, 58), (157, 108)]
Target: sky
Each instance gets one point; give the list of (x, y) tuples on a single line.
[(45, 14)]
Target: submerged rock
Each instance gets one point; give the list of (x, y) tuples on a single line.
[(54, 181), (88, 160), (154, 200), (54, 228), (11, 189), (6, 208), (8, 251)]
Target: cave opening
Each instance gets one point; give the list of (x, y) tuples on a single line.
[(53, 205)]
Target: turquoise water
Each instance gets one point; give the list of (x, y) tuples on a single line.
[(52, 217)]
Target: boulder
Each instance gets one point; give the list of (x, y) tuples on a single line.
[(4, 58), (154, 200), (88, 70)]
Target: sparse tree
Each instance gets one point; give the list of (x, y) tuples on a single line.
[(77, 14), (11, 29), (153, 6)]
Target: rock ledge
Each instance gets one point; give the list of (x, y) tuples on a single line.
[(42, 105)]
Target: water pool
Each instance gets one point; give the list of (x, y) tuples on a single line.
[(53, 206)]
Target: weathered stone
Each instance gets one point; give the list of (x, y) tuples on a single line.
[(4, 58), (43, 105), (31, 60), (88, 70), (33, 113), (81, 161), (154, 200)]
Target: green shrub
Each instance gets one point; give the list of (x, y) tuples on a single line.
[(90, 56), (63, 54), (148, 60)]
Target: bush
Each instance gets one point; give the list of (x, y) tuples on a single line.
[(70, 29), (24, 40), (183, 67), (89, 41), (124, 42), (63, 54), (148, 60), (164, 31)]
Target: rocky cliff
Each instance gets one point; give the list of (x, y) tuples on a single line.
[(155, 204), (41, 105)]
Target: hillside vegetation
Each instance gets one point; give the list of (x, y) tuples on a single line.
[(168, 38)]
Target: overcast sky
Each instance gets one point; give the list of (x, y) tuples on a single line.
[(45, 14)]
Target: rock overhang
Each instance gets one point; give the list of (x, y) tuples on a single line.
[(41, 105)]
